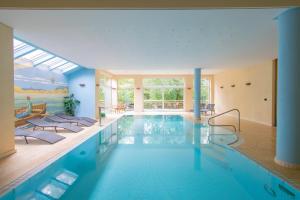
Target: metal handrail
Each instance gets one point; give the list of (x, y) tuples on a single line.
[(230, 125)]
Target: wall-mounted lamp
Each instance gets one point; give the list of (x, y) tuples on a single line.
[(248, 83), (233, 85), (138, 88), (189, 88), (97, 85), (113, 88), (222, 87), (82, 85)]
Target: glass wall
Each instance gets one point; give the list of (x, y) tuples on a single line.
[(27, 53), (205, 91), (105, 95), (163, 93), (126, 93)]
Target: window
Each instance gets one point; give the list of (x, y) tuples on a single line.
[(205, 91), (106, 93), (27, 53), (163, 93), (126, 93)]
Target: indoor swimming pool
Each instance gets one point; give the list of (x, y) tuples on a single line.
[(155, 157)]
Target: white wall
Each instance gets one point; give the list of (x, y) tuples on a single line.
[(249, 99)]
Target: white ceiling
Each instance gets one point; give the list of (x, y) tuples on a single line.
[(151, 41)]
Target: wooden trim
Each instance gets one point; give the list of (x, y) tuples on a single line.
[(144, 4), (274, 91)]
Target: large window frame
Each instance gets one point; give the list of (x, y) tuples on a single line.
[(105, 93), (125, 93), (156, 95), (206, 91)]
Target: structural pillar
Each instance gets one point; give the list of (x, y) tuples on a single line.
[(7, 141), (288, 98), (197, 92)]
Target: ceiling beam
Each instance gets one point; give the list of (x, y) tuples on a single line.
[(145, 4)]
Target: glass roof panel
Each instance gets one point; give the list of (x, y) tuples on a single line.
[(65, 66), (69, 68), (21, 48), (40, 58), (52, 63), (58, 64), (37, 56)]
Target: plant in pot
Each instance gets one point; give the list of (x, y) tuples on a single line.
[(70, 104)]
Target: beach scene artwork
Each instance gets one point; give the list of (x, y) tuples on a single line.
[(42, 86)]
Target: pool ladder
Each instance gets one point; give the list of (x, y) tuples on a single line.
[(228, 125)]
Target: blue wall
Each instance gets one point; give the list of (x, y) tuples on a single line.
[(85, 94)]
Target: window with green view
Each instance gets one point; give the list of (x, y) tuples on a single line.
[(163, 93), (126, 92)]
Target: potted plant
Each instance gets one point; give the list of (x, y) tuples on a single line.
[(70, 104), (102, 114)]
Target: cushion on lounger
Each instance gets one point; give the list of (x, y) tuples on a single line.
[(22, 115)]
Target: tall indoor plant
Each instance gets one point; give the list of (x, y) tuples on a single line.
[(70, 104)]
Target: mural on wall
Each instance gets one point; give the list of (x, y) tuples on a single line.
[(42, 86)]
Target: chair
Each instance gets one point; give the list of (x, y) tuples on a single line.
[(45, 124), (211, 108), (203, 108), (61, 115), (41, 135), (58, 119)]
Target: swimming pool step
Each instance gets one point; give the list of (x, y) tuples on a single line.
[(58, 185), (36, 196), (66, 177), (53, 189)]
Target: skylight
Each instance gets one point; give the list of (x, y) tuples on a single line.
[(40, 58)]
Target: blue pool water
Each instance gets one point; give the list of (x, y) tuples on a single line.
[(155, 157)]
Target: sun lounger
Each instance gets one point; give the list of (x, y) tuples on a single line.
[(208, 108), (79, 122), (45, 124), (41, 135), (78, 118)]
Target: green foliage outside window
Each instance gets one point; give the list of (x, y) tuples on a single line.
[(152, 94), (125, 91), (125, 96), (205, 91), (163, 82), (173, 94)]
